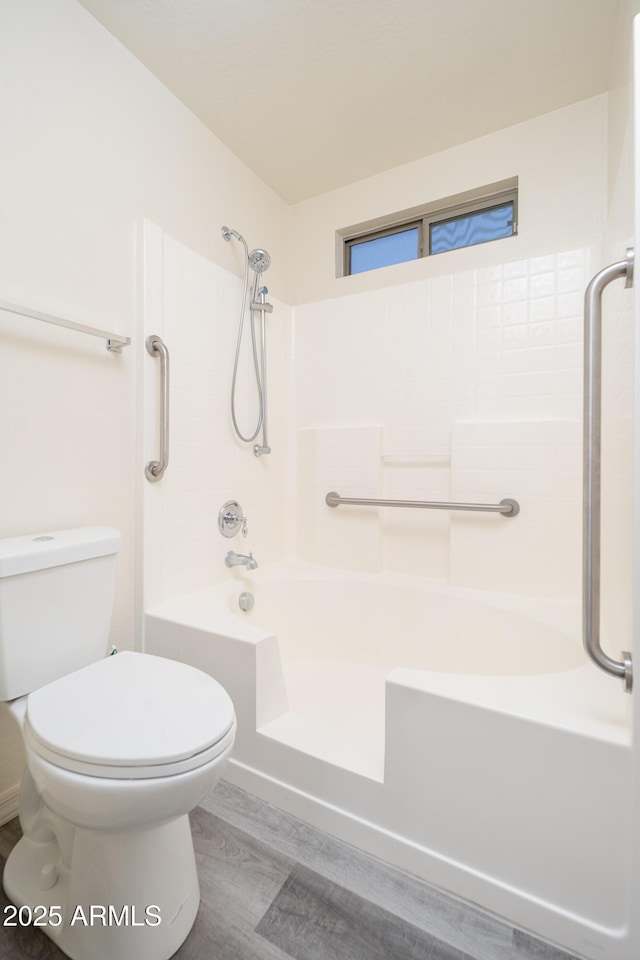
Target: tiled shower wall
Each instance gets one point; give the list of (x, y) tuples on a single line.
[(465, 387), (474, 382)]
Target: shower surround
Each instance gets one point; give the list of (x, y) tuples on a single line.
[(414, 681)]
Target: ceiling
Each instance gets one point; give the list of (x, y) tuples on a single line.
[(315, 94)]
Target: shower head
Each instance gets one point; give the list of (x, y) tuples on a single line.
[(259, 260), (227, 233)]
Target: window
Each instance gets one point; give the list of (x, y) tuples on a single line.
[(491, 223), (478, 216), (384, 248)]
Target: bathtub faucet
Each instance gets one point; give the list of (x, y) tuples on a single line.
[(234, 559)]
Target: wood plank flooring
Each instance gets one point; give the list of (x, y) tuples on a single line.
[(479, 935), (314, 919), (274, 888)]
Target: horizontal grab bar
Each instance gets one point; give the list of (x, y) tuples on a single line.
[(114, 341), (506, 507)]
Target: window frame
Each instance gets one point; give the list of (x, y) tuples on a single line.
[(450, 208)]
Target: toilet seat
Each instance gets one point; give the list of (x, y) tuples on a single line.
[(129, 772), (130, 716)]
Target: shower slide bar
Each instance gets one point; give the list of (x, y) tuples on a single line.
[(506, 507), (114, 341), (592, 470), (155, 469)]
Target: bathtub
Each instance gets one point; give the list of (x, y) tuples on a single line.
[(459, 735)]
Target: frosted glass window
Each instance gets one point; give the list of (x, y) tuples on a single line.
[(383, 251), (464, 231)]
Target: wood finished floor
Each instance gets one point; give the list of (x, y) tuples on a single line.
[(274, 888)]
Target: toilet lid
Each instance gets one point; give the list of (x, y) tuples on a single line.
[(131, 710)]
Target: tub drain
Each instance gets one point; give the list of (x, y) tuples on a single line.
[(246, 601)]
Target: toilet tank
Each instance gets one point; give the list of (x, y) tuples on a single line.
[(56, 595)]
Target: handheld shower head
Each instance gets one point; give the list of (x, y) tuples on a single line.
[(259, 260), (227, 233)]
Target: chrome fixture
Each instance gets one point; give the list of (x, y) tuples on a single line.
[(261, 448), (592, 470), (233, 559), (246, 602), (228, 233), (506, 507), (259, 261), (155, 469), (114, 341), (230, 519)]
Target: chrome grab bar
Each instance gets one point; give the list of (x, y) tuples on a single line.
[(507, 507), (592, 471), (155, 469)]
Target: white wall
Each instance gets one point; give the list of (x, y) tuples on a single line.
[(91, 144), (620, 139)]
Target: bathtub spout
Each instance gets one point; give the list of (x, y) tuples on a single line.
[(234, 559)]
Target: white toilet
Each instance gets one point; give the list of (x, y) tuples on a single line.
[(119, 749)]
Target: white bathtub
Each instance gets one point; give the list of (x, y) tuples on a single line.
[(460, 735)]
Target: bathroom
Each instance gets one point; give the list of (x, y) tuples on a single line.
[(448, 378)]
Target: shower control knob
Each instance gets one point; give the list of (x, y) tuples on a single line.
[(231, 520)]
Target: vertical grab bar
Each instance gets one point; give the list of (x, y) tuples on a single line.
[(592, 471), (155, 469)]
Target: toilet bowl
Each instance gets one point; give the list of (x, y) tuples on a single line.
[(118, 752)]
